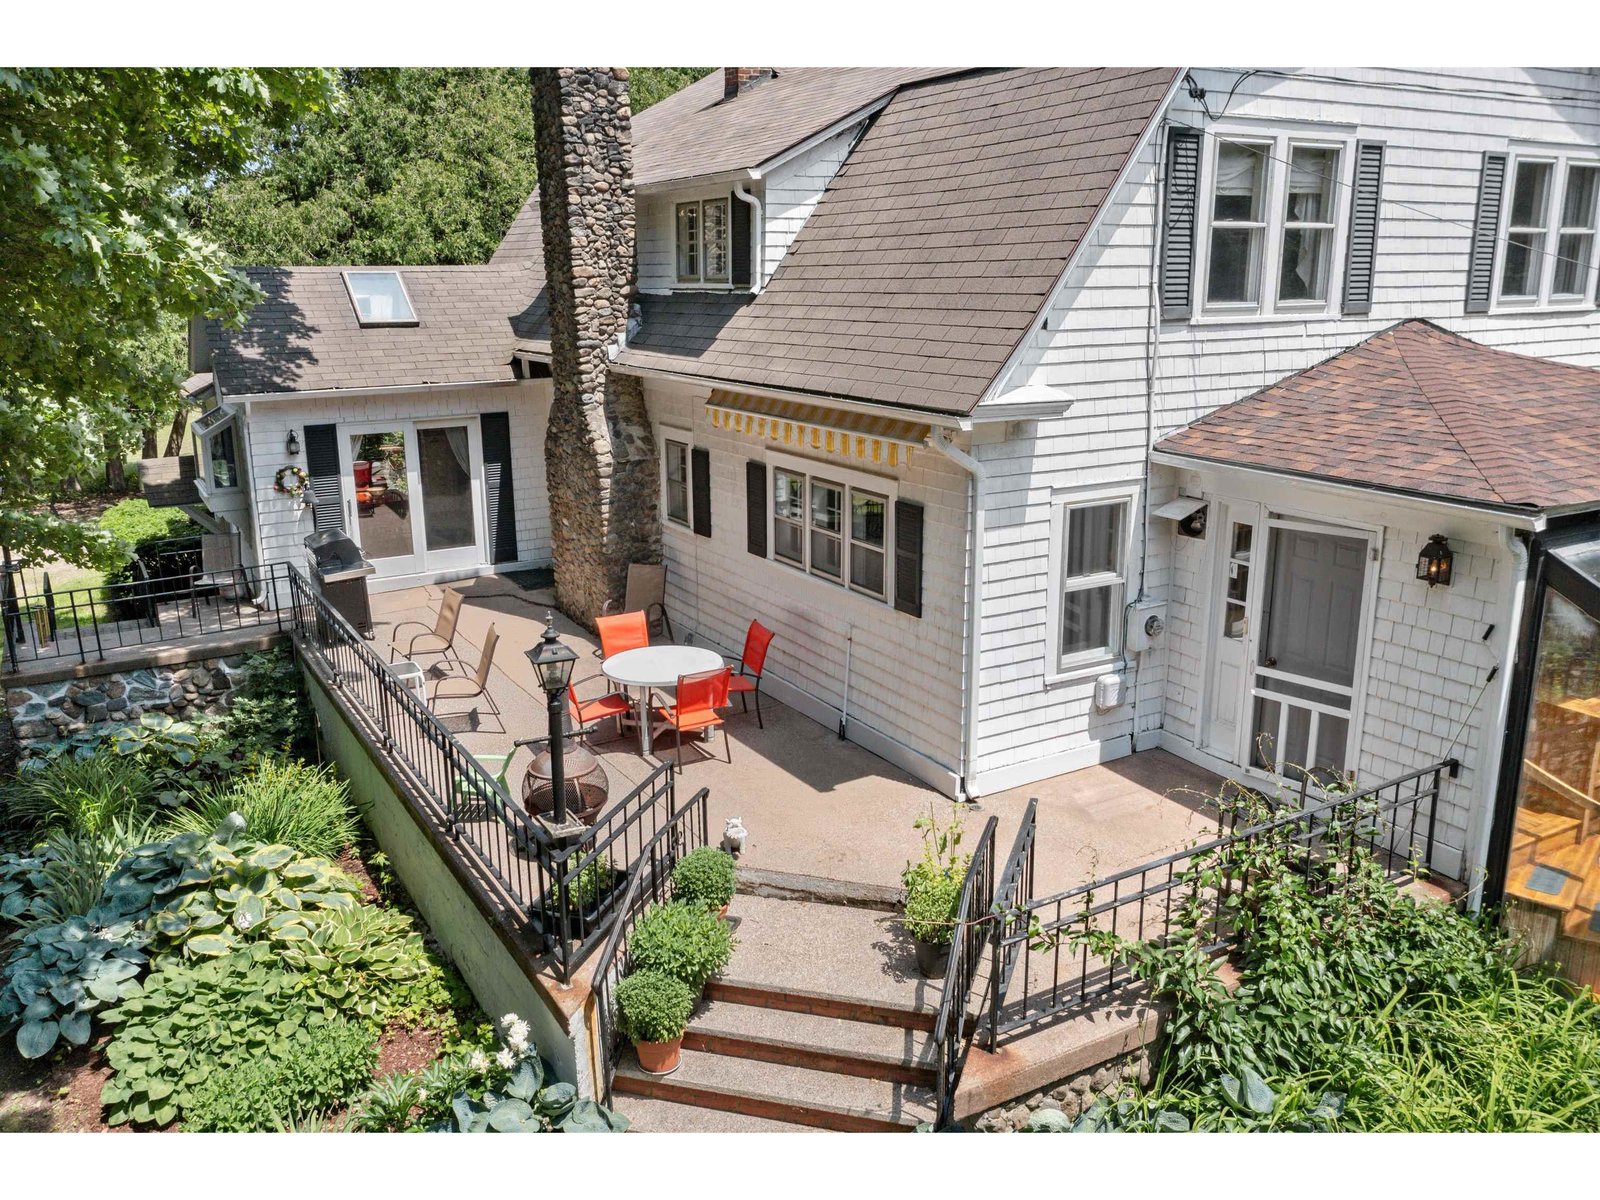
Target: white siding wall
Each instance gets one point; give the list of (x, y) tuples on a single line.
[(282, 523), (1094, 348), (905, 673)]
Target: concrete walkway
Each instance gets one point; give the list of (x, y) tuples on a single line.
[(813, 804)]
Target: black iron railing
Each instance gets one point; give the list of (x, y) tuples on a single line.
[(958, 1019), (88, 623), (649, 882), (1044, 966), (563, 894), (1010, 895)]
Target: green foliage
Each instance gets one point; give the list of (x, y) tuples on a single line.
[(79, 795), (651, 85), (73, 869), (593, 882), (933, 883), (320, 1068), (95, 255), (59, 974), (653, 1006), (268, 712), (177, 757), (284, 802), (704, 876), (683, 940), (133, 523), (367, 962)]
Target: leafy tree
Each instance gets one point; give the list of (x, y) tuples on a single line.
[(421, 165), (95, 253)]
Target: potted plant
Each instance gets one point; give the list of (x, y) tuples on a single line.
[(593, 887), (933, 892), (705, 876), (653, 1009), (685, 941)]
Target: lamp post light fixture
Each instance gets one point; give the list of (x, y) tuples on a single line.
[(1436, 562), (552, 664), (291, 444)]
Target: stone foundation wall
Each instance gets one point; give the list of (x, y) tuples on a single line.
[(44, 713), (1071, 1095)]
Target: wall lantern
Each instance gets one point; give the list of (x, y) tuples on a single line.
[(1436, 561), (292, 443), (552, 664)]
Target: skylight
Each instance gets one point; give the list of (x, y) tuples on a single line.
[(379, 298)]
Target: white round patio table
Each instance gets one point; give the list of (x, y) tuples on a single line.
[(656, 667)]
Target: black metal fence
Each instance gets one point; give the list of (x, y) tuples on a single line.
[(46, 624), (562, 894), (1044, 966), (649, 882), (958, 1020)]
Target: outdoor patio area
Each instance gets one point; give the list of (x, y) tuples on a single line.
[(814, 805)]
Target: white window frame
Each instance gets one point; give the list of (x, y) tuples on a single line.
[(1280, 143), (665, 434), (203, 438), (851, 481), (700, 276), (1061, 667), (1561, 161)]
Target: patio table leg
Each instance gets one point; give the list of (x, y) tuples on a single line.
[(644, 721)]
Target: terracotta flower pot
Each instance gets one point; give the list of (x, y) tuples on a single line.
[(659, 1058), (722, 913), (933, 958)]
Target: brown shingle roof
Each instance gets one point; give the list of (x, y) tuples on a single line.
[(1420, 410), (304, 336), (933, 249)]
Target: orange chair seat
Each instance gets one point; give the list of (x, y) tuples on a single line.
[(694, 720), (614, 705), (741, 683)]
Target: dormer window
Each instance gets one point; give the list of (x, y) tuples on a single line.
[(379, 298), (218, 452), (703, 230)]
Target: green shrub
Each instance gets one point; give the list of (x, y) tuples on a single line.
[(370, 963), (287, 803), (80, 795), (931, 902), (653, 1006), (177, 757), (704, 876), (59, 975), (268, 712), (683, 940), (320, 1068), (593, 882), (141, 529)]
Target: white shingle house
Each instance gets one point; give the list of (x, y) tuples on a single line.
[(928, 359)]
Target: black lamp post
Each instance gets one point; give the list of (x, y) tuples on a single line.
[(1436, 563), (552, 663)]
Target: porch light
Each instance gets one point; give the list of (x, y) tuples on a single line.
[(1436, 561), (553, 663), (291, 444)]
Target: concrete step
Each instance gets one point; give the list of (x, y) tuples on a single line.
[(846, 1047), (779, 1092), (821, 1004), (664, 1116)]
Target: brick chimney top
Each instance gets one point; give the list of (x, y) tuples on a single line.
[(742, 79)]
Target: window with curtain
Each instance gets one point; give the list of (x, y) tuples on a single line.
[(1238, 227), (1527, 231), (1091, 570), (1307, 224)]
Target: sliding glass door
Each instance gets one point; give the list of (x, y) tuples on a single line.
[(414, 494)]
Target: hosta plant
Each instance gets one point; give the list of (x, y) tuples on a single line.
[(21, 882), (362, 962), (59, 975)]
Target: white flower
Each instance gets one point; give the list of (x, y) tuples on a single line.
[(506, 1059), (478, 1062), (509, 1020), (517, 1036), (422, 1094)]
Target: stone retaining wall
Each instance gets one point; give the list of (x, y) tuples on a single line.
[(1071, 1096), (42, 713)]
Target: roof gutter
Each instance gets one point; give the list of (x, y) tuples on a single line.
[(900, 412), (969, 666), (401, 389), (1515, 517)]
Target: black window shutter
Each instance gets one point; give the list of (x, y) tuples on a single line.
[(1362, 250), (322, 464), (1485, 230), (1178, 224), (497, 486), (755, 507), (908, 557), (700, 490), (739, 231)]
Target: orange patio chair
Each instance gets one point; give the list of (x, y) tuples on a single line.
[(699, 697), (747, 676), (586, 714), (625, 631)]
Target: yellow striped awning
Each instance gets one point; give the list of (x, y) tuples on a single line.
[(884, 441)]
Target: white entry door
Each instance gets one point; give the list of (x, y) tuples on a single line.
[(413, 494), (1230, 629)]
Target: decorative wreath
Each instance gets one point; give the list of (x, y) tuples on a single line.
[(291, 481)]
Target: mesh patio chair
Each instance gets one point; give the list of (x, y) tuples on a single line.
[(443, 631), (625, 631), (646, 592), (747, 673), (699, 696), (473, 686)]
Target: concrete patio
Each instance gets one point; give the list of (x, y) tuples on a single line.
[(814, 805)]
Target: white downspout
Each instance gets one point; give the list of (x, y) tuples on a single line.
[(969, 670), (1484, 816), (758, 271)]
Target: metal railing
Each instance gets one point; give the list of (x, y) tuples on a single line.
[(88, 623), (563, 895), (1015, 887), (1039, 943), (953, 1031), (649, 882)]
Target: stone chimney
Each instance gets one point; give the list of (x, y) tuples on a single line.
[(742, 79), (600, 458)]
